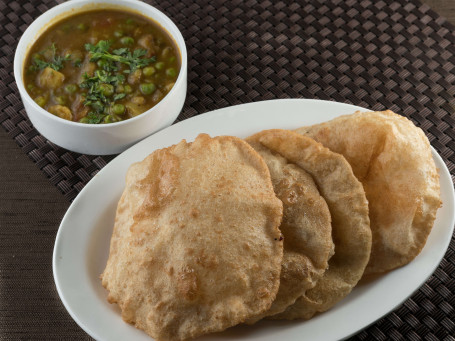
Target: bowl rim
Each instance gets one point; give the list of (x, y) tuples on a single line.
[(72, 5)]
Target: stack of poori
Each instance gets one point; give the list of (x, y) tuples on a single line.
[(283, 225)]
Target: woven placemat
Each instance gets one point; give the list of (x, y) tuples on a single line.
[(396, 55)]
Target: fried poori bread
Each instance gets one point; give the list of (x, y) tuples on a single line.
[(306, 227), (348, 208), (196, 246), (392, 158)]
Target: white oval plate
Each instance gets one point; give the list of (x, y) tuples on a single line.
[(82, 243)]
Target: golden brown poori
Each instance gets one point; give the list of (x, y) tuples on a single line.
[(306, 227), (196, 246), (392, 158), (348, 208)]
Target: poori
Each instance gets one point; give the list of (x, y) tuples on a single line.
[(348, 208), (196, 246), (392, 158), (306, 227)]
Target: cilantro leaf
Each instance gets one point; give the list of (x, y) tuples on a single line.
[(101, 47), (119, 96), (111, 74), (56, 62), (100, 51), (94, 118)]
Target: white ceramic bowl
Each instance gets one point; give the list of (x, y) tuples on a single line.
[(101, 139)]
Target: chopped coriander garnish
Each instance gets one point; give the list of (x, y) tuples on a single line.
[(100, 51), (56, 62), (118, 96), (101, 86), (93, 118)]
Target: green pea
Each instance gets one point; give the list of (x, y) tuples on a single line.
[(172, 59), (30, 87), (71, 88), (66, 28), (60, 100), (128, 89), (107, 89), (159, 65), (147, 88), (118, 33), (102, 63), (111, 119), (82, 27), (118, 109), (148, 71), (41, 101), (171, 72), (127, 41), (84, 119), (129, 21)]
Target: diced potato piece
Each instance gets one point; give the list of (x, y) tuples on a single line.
[(157, 96), (61, 111), (134, 77), (134, 109), (78, 107), (48, 54), (88, 68), (169, 86), (139, 100), (74, 53), (166, 51), (50, 78), (148, 43)]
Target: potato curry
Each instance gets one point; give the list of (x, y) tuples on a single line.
[(101, 66)]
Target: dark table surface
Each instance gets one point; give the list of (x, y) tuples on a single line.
[(31, 208)]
